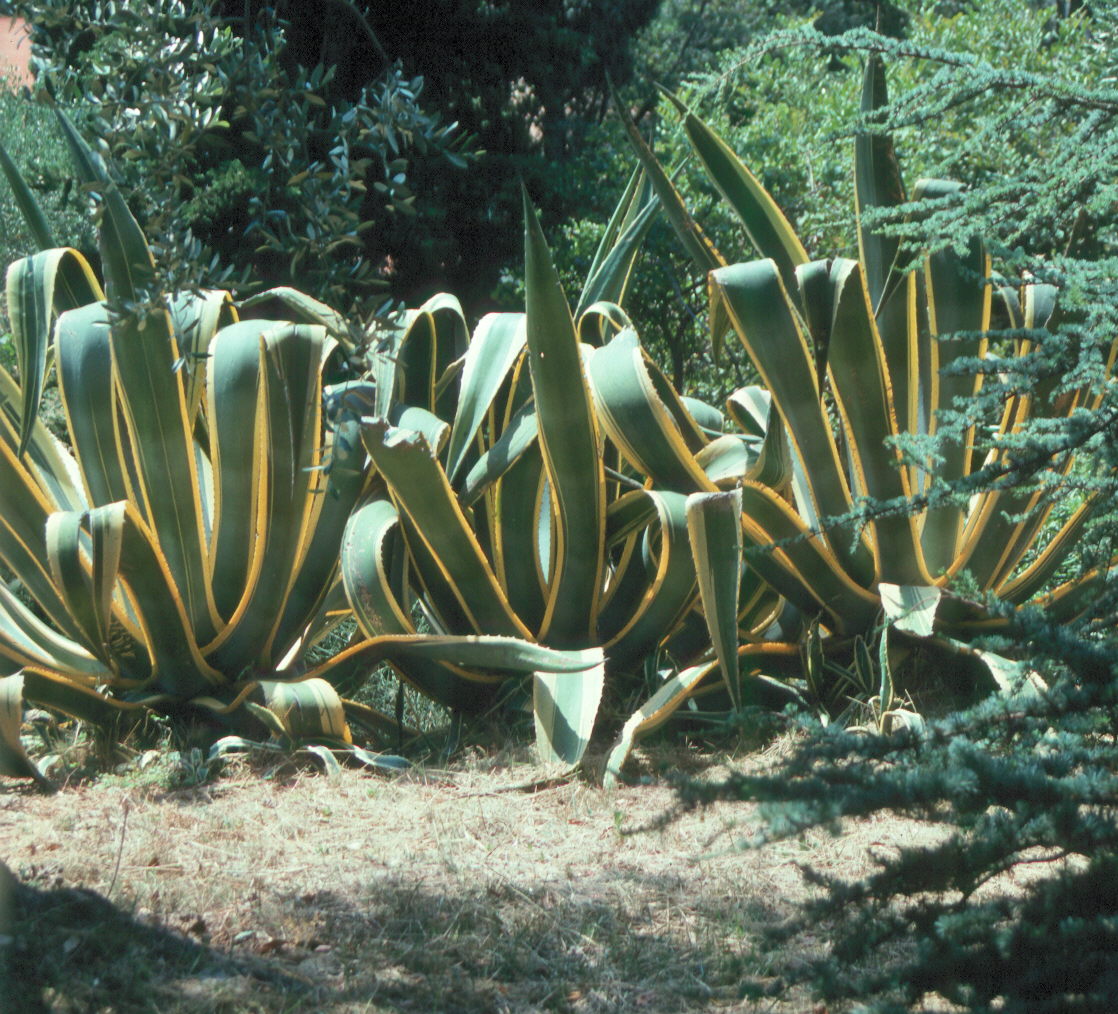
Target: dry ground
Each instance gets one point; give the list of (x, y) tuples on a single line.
[(292, 892)]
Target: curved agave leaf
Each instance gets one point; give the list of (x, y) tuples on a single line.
[(520, 434), (608, 278), (295, 306), (714, 524), (799, 565), (196, 318), (24, 509), (656, 587), (88, 588), (633, 402), (455, 559), (652, 714), (275, 366), (27, 640), (758, 306), (85, 381), (484, 661), (125, 257), (415, 353), (306, 709), (178, 667), (14, 762), (572, 452), (29, 208), (753, 410), (860, 380), (694, 240), (45, 457), (38, 287), (496, 344), (765, 224)]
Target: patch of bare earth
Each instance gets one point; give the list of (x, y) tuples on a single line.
[(420, 893)]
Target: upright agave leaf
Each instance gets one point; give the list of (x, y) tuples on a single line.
[(570, 443)]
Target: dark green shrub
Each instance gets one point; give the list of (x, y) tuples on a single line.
[(232, 154)]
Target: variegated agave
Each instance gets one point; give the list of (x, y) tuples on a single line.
[(857, 354), (562, 496), (182, 552)]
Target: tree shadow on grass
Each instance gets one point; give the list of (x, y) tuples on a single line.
[(68, 949), (624, 943)]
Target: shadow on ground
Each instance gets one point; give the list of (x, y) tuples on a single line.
[(395, 946), (68, 949)]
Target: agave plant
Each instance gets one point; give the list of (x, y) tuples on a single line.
[(858, 355), (181, 553), (538, 488)]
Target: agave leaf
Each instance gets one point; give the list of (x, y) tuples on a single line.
[(655, 587), (434, 338), (372, 559), (911, 608), (497, 342), (46, 458), (197, 317), (378, 761), (28, 206), (714, 524), (88, 595), (14, 762), (877, 184), (653, 713), (295, 306), (27, 640), (126, 260), (38, 287), (800, 565), (331, 503), (1034, 577), (519, 435), (958, 301), (276, 368), (152, 401), (85, 380), (731, 457), (633, 200), (753, 410), (79, 697), (307, 709), (640, 414), (608, 281), (565, 707), (694, 240), (571, 448), (177, 663), (860, 381), (24, 510), (422, 493), (480, 664), (769, 231), (519, 510), (763, 317), (708, 418)]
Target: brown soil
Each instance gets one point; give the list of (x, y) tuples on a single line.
[(457, 892)]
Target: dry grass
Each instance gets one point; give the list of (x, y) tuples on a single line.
[(289, 892)]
